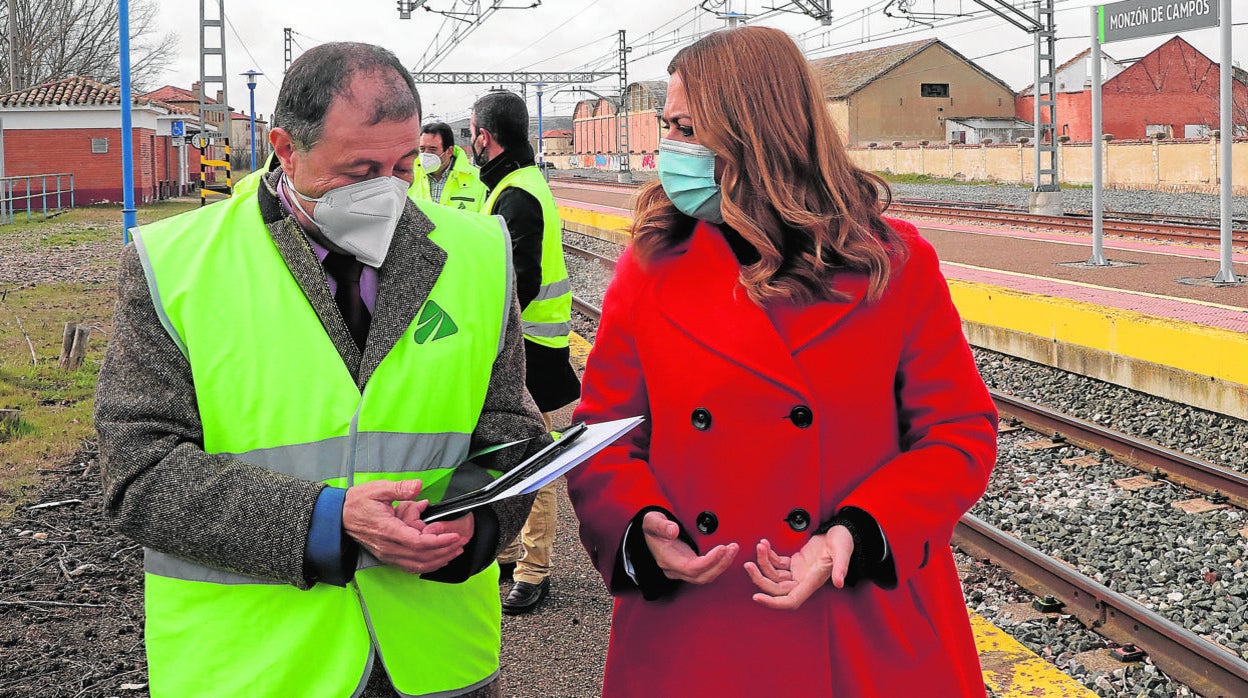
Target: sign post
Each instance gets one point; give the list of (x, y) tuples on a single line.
[(1134, 19)]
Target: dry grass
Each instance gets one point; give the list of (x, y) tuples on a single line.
[(55, 405)]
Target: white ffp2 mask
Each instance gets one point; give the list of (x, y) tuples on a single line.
[(359, 218)]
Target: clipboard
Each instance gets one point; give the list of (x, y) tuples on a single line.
[(574, 447)]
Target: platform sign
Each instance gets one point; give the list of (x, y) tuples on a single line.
[(177, 129), (1134, 19)]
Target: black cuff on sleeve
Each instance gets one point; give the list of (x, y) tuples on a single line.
[(868, 560), (651, 581), (478, 553)]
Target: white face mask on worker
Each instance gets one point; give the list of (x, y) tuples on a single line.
[(430, 162), (359, 218)]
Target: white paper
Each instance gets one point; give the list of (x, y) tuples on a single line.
[(512, 483)]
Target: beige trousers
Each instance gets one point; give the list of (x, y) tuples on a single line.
[(531, 550)]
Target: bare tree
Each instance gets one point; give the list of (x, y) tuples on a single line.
[(56, 39)]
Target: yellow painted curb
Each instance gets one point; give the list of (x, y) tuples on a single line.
[(595, 219), (1011, 670), (1200, 349), (579, 348)]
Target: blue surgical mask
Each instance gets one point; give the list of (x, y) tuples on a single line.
[(687, 173)]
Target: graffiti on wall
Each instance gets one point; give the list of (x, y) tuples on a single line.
[(648, 161)]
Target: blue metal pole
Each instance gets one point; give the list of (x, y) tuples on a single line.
[(127, 148), (252, 88)]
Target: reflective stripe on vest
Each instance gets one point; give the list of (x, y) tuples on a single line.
[(547, 319), (273, 391)]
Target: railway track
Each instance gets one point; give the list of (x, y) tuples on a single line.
[(1139, 227), (1207, 668), (1188, 229)]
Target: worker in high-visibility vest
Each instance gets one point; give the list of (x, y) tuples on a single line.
[(294, 373), (453, 180), (519, 193)]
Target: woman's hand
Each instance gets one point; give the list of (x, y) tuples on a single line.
[(677, 559), (786, 582)]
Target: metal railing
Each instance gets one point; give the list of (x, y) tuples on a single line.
[(30, 193)]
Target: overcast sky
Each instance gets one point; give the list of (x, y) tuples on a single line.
[(563, 35)]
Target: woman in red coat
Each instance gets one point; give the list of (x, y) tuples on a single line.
[(816, 424)]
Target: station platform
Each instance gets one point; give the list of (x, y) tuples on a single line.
[(1152, 320)]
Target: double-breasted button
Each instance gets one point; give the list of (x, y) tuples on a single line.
[(801, 416), (798, 519), (701, 419), (707, 522)]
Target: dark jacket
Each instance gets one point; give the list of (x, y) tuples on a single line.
[(550, 377)]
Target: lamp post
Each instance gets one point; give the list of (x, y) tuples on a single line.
[(541, 147), (251, 88)]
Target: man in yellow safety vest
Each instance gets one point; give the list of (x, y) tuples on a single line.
[(294, 373), (519, 193)]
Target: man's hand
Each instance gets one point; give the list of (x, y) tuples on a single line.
[(677, 559), (396, 535), (786, 582)]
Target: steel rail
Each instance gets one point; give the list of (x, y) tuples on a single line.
[(1127, 224), (1153, 459), (1158, 230), (586, 308), (583, 253), (1206, 668)]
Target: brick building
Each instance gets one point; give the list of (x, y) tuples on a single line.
[(1172, 91), (74, 126), (188, 100), (240, 140)]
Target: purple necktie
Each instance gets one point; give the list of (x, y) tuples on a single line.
[(346, 271)]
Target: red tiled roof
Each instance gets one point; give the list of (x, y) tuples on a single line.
[(171, 93), (74, 91), (557, 133)]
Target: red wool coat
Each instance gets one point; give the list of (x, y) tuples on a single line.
[(756, 414)]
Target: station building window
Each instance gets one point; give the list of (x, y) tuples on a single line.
[(1196, 130), (934, 89), (1158, 129)]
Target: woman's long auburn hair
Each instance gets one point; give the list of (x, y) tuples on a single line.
[(788, 186)]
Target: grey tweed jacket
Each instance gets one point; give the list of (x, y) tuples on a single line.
[(164, 491)]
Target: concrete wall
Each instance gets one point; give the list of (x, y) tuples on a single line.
[(1173, 165)]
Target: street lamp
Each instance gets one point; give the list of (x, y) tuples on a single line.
[(251, 87), (541, 148)]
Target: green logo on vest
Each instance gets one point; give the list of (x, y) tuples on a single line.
[(433, 324)]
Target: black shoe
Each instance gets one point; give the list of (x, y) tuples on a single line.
[(505, 570), (525, 597)]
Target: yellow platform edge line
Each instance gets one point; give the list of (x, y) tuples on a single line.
[(595, 219), (1200, 349), (1011, 670)]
